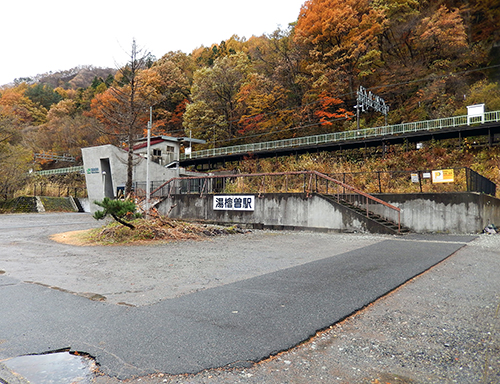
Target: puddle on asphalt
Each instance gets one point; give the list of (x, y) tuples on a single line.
[(53, 368)]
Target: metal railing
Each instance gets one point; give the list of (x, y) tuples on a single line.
[(60, 171), (479, 183), (307, 182), (465, 180), (53, 157), (427, 125)]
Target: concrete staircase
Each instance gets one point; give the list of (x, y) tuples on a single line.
[(374, 222)]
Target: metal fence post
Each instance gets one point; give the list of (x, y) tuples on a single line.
[(467, 179)]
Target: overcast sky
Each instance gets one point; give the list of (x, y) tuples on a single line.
[(40, 36)]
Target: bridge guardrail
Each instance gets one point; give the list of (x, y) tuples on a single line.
[(58, 171), (427, 125)]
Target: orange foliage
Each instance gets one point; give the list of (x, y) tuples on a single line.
[(329, 109), (14, 104)]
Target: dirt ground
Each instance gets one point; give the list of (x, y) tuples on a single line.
[(72, 238)]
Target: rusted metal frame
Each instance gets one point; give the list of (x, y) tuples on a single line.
[(203, 188), (366, 195), (262, 188), (309, 187), (169, 190), (319, 174), (355, 190), (224, 176)]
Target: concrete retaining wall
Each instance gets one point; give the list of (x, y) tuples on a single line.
[(295, 211), (422, 213), (446, 212)]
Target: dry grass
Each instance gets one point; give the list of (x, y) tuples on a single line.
[(145, 232)]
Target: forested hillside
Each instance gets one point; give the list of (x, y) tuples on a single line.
[(427, 59)]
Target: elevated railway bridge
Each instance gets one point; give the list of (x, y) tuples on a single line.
[(457, 127)]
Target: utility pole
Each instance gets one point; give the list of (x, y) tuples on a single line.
[(148, 188)]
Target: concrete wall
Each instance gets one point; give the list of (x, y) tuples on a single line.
[(85, 203), (422, 213), (271, 211), (446, 212)]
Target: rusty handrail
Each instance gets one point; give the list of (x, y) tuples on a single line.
[(309, 185), (230, 176), (353, 189)]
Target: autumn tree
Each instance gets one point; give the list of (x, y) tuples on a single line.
[(65, 132), (169, 81), (283, 61), (15, 159), (123, 108), (342, 37), (429, 42), (330, 109), (265, 109), (16, 104), (206, 56), (214, 111)]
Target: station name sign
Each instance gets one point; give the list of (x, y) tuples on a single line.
[(234, 202), (92, 170)]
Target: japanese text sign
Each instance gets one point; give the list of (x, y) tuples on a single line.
[(234, 202), (443, 176)]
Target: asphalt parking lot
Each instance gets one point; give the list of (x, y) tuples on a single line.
[(236, 301)]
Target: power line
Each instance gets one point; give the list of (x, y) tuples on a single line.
[(434, 78), (283, 130), (351, 94)]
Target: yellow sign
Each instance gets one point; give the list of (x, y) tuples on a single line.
[(443, 176)]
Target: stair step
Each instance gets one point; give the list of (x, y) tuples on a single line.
[(371, 215)]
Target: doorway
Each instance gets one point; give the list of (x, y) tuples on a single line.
[(107, 180)]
